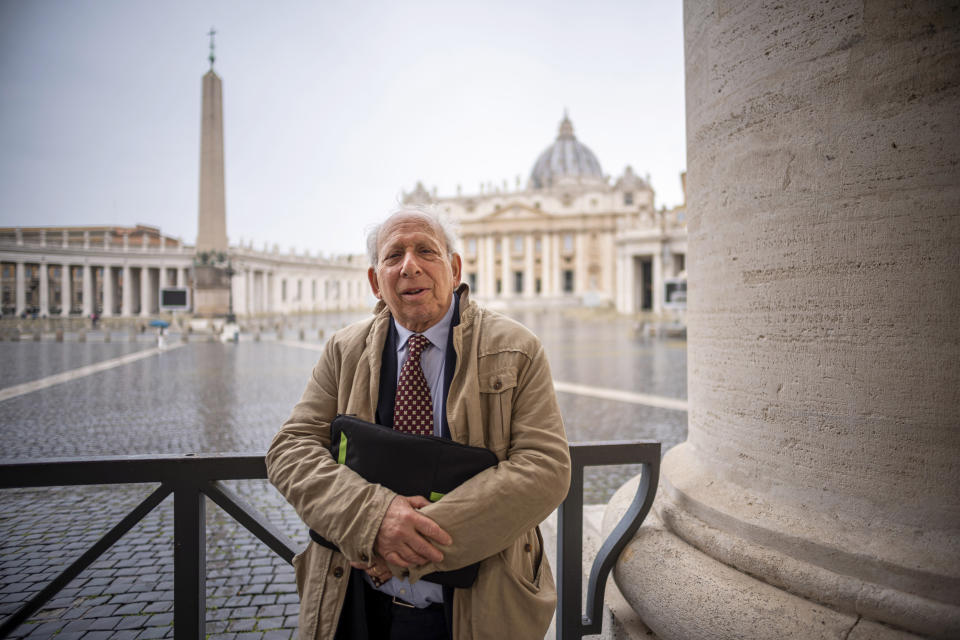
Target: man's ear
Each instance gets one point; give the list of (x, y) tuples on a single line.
[(374, 285), (457, 266)]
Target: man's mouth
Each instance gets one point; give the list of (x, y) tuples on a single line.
[(413, 292)]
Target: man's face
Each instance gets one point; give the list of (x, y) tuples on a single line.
[(414, 276)]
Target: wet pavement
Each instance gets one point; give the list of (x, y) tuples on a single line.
[(207, 397)]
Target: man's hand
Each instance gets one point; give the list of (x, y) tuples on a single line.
[(406, 537)]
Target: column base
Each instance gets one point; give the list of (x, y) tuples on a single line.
[(681, 592)]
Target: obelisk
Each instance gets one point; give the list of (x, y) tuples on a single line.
[(212, 281)]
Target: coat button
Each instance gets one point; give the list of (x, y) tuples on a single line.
[(497, 385), (364, 558), (338, 572), (528, 547)]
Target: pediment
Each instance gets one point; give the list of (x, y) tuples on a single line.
[(515, 211)]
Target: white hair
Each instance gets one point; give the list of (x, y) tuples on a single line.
[(425, 212)]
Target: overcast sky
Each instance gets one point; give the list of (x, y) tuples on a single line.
[(331, 109)]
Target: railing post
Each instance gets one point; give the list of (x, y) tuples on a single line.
[(570, 544), (189, 563)]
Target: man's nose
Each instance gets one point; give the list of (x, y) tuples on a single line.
[(410, 266)]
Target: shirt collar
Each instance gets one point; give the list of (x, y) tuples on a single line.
[(437, 334)]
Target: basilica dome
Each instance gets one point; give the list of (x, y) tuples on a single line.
[(566, 160)]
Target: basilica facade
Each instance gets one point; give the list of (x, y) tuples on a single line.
[(571, 235)]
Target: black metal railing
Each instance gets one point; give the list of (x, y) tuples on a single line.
[(193, 478)]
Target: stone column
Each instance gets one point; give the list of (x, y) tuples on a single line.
[(65, 289), (248, 292), (556, 273), (529, 285), (146, 306), (817, 494), (126, 294), (657, 280), (21, 288), (181, 277), (162, 277), (546, 264), (87, 291), (579, 264), (624, 280), (505, 267), (44, 289), (109, 290)]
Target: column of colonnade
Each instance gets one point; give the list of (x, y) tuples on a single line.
[(87, 290), (65, 290), (529, 279), (816, 494)]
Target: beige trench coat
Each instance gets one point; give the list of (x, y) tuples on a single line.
[(502, 398)]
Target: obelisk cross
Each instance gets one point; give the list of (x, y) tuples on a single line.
[(212, 57)]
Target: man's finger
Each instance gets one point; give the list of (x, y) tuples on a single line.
[(430, 529), (417, 502)]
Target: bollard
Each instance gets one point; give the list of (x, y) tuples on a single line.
[(82, 335), (59, 335), (185, 337), (133, 336), (37, 336), (279, 334), (256, 336), (106, 336), (320, 334), (302, 335)]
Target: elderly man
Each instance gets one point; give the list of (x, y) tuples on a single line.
[(489, 386)]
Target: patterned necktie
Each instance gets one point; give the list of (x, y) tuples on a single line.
[(413, 408)]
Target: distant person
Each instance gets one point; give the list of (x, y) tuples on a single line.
[(489, 386)]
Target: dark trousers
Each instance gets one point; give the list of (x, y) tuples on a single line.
[(369, 614)]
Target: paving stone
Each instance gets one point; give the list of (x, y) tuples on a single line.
[(132, 622), (249, 635), (130, 608), (150, 633), (216, 626), (97, 635), (105, 624), (270, 623), (242, 624), (160, 620), (222, 636), (161, 606), (45, 629), (125, 634), (102, 611), (270, 610), (77, 625), (123, 598), (278, 634)]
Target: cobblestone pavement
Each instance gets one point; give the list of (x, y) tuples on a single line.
[(206, 398)]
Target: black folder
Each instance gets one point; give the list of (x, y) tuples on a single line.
[(409, 465)]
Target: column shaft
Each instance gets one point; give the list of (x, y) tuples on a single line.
[(87, 291), (65, 288), (529, 284)]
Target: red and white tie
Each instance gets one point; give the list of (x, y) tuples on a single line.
[(413, 408)]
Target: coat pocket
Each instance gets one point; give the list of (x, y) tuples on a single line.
[(524, 559), (496, 395)]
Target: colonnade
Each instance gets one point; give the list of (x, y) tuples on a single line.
[(62, 288), (534, 264)]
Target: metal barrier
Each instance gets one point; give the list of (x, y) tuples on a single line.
[(193, 478), (570, 622)]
